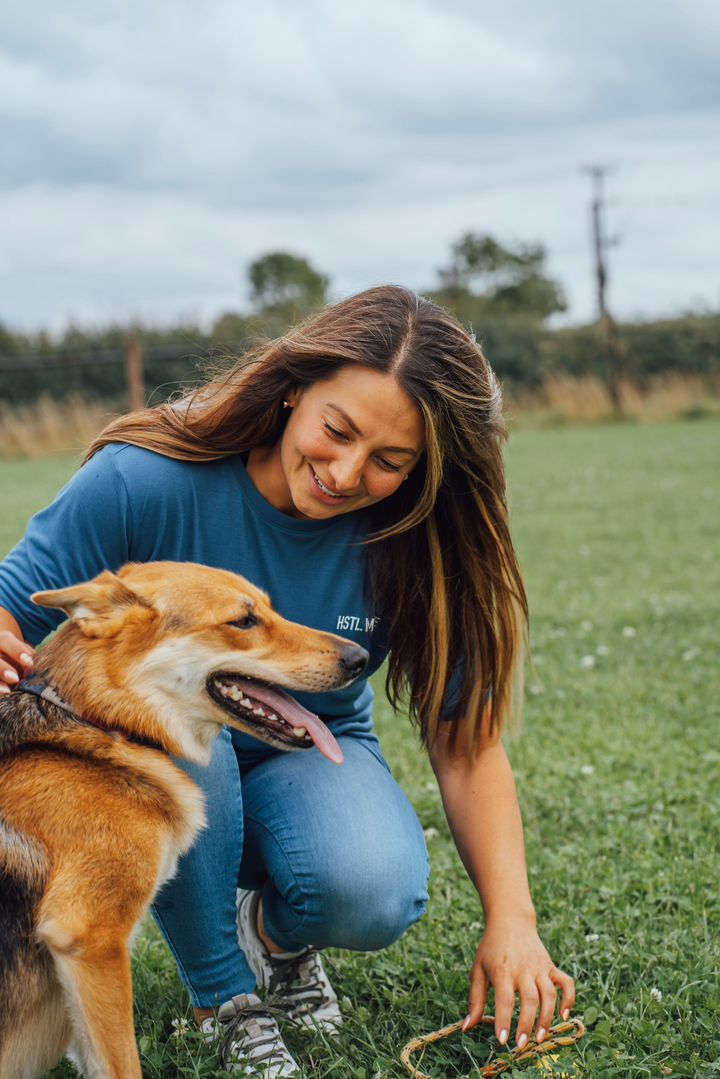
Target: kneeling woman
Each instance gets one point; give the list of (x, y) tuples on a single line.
[(353, 470)]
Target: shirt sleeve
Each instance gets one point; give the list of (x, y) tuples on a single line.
[(454, 690), (85, 530)]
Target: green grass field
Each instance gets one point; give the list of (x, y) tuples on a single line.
[(618, 772)]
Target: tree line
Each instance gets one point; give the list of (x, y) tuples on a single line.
[(504, 294)]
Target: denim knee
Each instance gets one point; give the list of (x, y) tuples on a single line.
[(364, 901), (369, 915), (338, 851)]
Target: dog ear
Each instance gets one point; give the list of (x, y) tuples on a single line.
[(101, 607)]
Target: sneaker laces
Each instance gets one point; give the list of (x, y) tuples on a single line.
[(307, 967), (261, 1040)]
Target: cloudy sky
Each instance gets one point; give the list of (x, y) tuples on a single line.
[(153, 148)]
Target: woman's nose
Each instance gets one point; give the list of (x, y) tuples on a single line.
[(346, 472)]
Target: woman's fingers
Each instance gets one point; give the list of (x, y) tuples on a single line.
[(529, 1000), (479, 986), (12, 648), (548, 1001), (504, 1001), (14, 656), (567, 986)]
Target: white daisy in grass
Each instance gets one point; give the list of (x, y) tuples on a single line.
[(590, 937), (587, 662), (587, 770), (602, 650), (629, 631), (655, 994), (181, 1027)]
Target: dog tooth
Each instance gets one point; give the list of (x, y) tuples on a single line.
[(258, 712), (235, 693), (273, 716), (299, 732)]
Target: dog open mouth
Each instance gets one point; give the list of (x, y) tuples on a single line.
[(272, 708)]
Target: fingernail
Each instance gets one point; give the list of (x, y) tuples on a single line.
[(11, 676), (521, 1041), (540, 1034), (466, 1020), (28, 660), (503, 1037), (566, 1013)]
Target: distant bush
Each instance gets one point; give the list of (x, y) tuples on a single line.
[(524, 354), (522, 351)]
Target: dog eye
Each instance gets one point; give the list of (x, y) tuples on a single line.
[(246, 622)]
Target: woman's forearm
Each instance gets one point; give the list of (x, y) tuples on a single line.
[(8, 624), (484, 817)]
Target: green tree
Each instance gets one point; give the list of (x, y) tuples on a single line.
[(485, 279), (284, 288), (8, 345), (283, 281)]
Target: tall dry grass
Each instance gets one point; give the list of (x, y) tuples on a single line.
[(566, 399), (51, 426)]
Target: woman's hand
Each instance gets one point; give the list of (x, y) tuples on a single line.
[(512, 959), (15, 654)]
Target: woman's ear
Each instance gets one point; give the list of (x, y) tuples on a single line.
[(292, 396)]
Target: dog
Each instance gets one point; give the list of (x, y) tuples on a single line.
[(94, 815)]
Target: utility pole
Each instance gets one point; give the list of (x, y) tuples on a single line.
[(601, 243)]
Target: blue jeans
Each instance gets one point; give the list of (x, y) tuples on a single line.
[(336, 849)]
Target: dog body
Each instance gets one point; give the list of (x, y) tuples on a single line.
[(93, 813)]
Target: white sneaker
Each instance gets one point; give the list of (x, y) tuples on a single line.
[(251, 1041), (298, 978)]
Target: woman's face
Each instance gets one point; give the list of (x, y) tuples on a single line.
[(349, 442)]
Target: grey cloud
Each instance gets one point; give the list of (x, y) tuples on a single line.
[(177, 141)]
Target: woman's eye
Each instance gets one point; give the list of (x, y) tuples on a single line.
[(246, 622), (334, 433), (389, 465)]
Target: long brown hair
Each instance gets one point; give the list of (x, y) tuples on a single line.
[(442, 570)]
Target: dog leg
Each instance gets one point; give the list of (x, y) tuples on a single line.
[(93, 968)]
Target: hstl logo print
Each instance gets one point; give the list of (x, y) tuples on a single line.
[(353, 623)]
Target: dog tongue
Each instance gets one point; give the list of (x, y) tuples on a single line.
[(294, 714)]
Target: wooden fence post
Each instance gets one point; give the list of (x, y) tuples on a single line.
[(133, 369)]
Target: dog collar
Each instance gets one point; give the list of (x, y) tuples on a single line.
[(35, 683)]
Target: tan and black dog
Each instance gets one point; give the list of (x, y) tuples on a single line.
[(93, 813)]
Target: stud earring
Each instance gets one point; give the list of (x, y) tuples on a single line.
[(286, 404), (406, 476)]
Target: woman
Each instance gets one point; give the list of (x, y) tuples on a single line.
[(352, 469)]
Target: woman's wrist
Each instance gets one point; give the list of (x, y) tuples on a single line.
[(510, 916)]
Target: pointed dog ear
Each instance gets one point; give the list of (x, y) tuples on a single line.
[(101, 607)]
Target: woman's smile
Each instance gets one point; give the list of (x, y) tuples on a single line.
[(324, 492)]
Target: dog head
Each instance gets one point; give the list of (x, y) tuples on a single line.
[(172, 650)]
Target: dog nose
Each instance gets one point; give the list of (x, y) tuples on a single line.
[(354, 660)]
